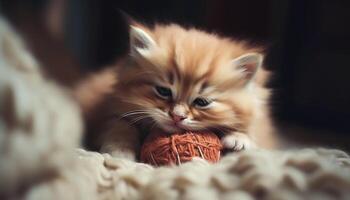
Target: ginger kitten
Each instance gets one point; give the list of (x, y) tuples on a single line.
[(177, 79)]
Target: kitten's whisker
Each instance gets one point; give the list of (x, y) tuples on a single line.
[(134, 112), (138, 119), (135, 120), (153, 124)]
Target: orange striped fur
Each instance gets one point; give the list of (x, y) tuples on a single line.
[(192, 64)]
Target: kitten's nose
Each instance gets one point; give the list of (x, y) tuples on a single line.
[(176, 117)]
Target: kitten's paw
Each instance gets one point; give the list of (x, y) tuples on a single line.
[(237, 142)]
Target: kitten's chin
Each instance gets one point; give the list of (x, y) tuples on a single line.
[(171, 128)]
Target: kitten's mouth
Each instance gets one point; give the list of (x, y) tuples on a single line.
[(179, 125), (175, 127)]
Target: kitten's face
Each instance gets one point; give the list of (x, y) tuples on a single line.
[(188, 80)]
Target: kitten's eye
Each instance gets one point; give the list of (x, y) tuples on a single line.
[(163, 92), (201, 102)]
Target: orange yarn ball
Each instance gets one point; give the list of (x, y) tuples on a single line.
[(160, 149)]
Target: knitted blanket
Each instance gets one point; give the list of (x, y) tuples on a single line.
[(41, 158)]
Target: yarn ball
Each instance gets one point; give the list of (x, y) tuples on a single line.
[(163, 149)]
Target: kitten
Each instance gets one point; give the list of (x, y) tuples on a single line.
[(177, 79)]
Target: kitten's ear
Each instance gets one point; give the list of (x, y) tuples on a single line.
[(248, 64), (140, 42)]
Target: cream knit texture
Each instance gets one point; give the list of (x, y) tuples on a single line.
[(41, 156)]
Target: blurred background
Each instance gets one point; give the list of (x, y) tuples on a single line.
[(308, 46)]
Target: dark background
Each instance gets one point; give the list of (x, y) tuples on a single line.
[(308, 48)]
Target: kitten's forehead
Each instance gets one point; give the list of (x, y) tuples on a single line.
[(192, 52), (194, 57)]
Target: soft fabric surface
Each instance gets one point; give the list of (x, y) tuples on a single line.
[(40, 158)]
